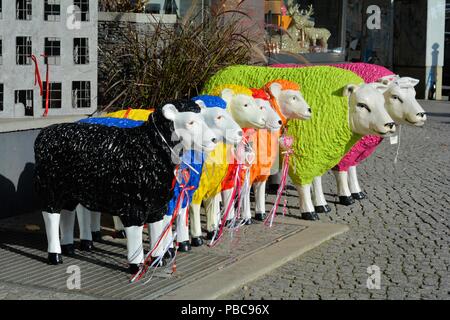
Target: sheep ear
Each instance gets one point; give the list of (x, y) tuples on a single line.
[(381, 87), (227, 95), (170, 112), (349, 89), (201, 104), (413, 82), (275, 89)]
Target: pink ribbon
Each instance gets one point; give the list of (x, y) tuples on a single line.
[(286, 143)]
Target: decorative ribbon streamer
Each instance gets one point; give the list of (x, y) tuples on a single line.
[(148, 257), (38, 80), (286, 143)]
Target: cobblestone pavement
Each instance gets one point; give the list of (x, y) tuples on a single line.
[(402, 227)]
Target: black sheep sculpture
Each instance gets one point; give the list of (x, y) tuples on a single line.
[(120, 171)]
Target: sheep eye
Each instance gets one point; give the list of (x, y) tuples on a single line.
[(363, 105), (219, 118), (395, 97), (191, 123), (294, 98), (261, 108), (246, 105)]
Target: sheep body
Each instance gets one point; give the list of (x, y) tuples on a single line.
[(123, 171), (321, 142), (367, 144)]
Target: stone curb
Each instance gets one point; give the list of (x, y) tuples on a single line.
[(232, 277)]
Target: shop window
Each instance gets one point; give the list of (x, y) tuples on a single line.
[(52, 10), (55, 95), (81, 94), (1, 51), (23, 50), (81, 50), (25, 97), (23, 9), (1, 9), (304, 26)]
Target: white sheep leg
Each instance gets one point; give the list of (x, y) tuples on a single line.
[(95, 221), (246, 213), (320, 204), (52, 221), (259, 189), (212, 213), (306, 204), (155, 230), (135, 249), (345, 196), (118, 225), (226, 199), (182, 227), (84, 223), (196, 227), (66, 226), (355, 189)]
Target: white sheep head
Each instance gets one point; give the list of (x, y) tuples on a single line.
[(191, 129), (367, 114), (244, 110), (290, 101), (401, 103), (221, 123)]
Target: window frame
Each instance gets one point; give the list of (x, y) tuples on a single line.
[(26, 10), (2, 96), (52, 100), (52, 11), (28, 50), (28, 93), (82, 56), (52, 59), (83, 95), (82, 15)]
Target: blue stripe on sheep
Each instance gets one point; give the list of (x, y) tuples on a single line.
[(124, 171), (113, 122)]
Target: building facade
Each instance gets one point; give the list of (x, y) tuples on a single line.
[(65, 31)]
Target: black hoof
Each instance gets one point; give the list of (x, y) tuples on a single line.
[(170, 254), (120, 234), (247, 222), (184, 246), (133, 268), (312, 216), (54, 258), (322, 209), (197, 242), (359, 196), (86, 245), (210, 234), (68, 249), (346, 201), (97, 236), (260, 216)]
